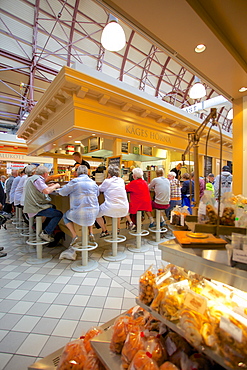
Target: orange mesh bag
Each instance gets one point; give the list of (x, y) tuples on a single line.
[(121, 328), (91, 333), (73, 357), (143, 361)]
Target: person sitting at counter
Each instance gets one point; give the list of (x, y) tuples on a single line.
[(37, 201), (161, 187), (175, 196), (79, 160), (116, 201), (140, 199), (83, 194)]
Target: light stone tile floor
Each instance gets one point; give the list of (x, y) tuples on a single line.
[(42, 307)]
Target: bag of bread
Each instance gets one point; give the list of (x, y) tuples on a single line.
[(155, 345), (227, 210), (175, 346), (133, 343), (139, 315), (121, 327), (147, 285), (93, 362), (206, 211), (91, 333), (197, 361), (73, 356), (173, 300), (143, 361), (168, 366)]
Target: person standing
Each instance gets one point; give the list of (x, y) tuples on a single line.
[(226, 182), (79, 160), (177, 170), (162, 190), (175, 197)]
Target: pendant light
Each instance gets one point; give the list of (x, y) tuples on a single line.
[(198, 90), (113, 36)]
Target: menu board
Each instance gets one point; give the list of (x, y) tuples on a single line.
[(125, 147), (207, 165), (116, 161), (147, 150)]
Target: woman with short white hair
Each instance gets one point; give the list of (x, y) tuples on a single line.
[(116, 201)]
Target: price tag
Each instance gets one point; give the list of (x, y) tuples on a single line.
[(239, 256), (230, 328), (202, 208), (195, 302)]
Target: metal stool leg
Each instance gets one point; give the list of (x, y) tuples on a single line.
[(38, 242), (138, 248), (157, 230), (86, 264), (114, 255)]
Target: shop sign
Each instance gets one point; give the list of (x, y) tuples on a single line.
[(147, 134)]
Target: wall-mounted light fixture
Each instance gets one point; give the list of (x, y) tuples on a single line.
[(113, 36), (198, 89)]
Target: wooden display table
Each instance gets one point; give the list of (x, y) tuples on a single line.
[(207, 242)]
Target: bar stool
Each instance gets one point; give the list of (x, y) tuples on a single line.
[(38, 243), (28, 234), (114, 255), (139, 233), (87, 264), (157, 229)]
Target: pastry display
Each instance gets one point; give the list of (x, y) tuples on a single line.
[(73, 357)]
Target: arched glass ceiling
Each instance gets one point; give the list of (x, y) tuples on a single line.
[(38, 37)]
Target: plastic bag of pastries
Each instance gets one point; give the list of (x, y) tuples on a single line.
[(73, 356), (139, 315), (121, 327), (143, 361), (91, 333), (206, 211), (175, 346), (173, 300), (231, 333), (92, 362), (146, 285), (168, 366), (133, 343), (197, 361), (155, 345), (228, 215)]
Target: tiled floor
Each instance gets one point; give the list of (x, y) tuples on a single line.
[(42, 307)]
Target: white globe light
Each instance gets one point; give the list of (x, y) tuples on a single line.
[(113, 37), (197, 91)]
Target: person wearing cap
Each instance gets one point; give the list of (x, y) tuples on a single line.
[(226, 182)]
